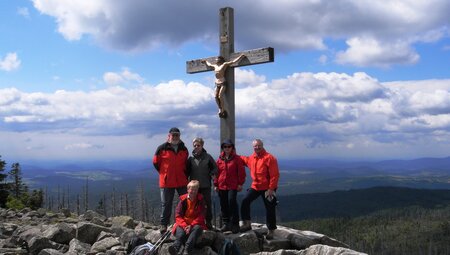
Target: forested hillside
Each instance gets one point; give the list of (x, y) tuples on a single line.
[(353, 203), (410, 230)]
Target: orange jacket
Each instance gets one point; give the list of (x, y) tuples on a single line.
[(199, 213), (171, 165), (263, 170)]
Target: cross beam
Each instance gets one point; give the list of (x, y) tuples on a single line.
[(252, 57)]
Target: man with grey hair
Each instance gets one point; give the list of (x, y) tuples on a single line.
[(265, 174), (170, 162)]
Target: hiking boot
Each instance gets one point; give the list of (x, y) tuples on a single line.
[(225, 228), (187, 250), (270, 234), (163, 229), (173, 250), (246, 226)]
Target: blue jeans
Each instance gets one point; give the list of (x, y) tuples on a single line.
[(167, 195)]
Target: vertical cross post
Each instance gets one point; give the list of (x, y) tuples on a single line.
[(252, 57), (227, 125)]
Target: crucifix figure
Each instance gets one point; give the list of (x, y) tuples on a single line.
[(221, 84), (226, 73)]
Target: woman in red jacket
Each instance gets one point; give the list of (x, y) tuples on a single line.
[(229, 181)]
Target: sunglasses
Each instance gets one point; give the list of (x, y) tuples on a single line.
[(227, 146)]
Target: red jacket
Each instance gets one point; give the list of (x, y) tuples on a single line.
[(171, 165), (263, 170), (231, 172), (200, 209)]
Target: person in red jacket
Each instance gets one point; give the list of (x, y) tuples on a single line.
[(189, 219), (265, 174), (170, 161), (229, 181)]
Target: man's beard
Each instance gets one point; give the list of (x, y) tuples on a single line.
[(175, 142)]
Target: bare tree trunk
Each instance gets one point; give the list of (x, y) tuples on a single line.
[(121, 204), (126, 205), (68, 197), (133, 208), (113, 199), (47, 202), (59, 200), (142, 200), (153, 216), (78, 204), (86, 195), (51, 203), (63, 201), (147, 216), (105, 204)]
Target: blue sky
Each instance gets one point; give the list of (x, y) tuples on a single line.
[(103, 80)]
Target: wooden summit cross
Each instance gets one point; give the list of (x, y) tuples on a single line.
[(252, 57)]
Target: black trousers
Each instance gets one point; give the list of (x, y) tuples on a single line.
[(271, 220), (206, 193), (229, 207)]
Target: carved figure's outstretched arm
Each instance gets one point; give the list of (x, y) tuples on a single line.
[(207, 63), (236, 60)]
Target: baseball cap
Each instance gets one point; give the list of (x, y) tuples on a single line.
[(227, 142), (174, 130)]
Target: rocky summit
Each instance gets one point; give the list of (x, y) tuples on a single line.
[(42, 232)]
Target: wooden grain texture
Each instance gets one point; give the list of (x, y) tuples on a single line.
[(252, 57)]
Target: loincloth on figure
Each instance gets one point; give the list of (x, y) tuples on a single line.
[(220, 85)]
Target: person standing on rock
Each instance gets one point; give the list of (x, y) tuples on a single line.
[(265, 174), (189, 220), (228, 183), (170, 161), (202, 167)]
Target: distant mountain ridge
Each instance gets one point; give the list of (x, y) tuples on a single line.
[(410, 165), (285, 164)]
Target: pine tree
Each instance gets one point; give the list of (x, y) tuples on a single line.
[(3, 184), (36, 199), (17, 185)]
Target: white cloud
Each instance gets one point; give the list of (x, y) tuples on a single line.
[(110, 110), (82, 146), (370, 52), (314, 111), (113, 79), (378, 33), (23, 11), (246, 78), (10, 62), (123, 78)]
